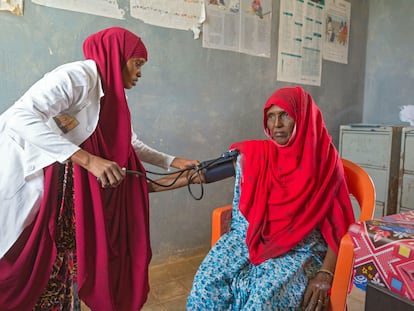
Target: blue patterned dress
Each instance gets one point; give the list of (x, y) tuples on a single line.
[(226, 280)]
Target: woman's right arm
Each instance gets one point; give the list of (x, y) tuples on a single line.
[(29, 116), (58, 91), (109, 173)]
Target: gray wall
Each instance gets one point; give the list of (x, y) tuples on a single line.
[(192, 102), (389, 82)]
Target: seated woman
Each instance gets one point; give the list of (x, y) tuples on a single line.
[(291, 207)]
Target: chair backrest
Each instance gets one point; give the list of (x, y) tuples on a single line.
[(360, 185)]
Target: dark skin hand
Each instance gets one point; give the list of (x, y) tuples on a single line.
[(108, 173), (316, 298), (316, 294)]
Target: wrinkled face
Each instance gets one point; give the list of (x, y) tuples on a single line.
[(132, 72), (279, 124)]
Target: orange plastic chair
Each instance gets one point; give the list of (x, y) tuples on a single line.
[(360, 185)]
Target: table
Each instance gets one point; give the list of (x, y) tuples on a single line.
[(384, 253), (379, 298)]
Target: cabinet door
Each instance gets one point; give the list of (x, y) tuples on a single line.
[(408, 152), (377, 150), (367, 148), (406, 190), (378, 211), (380, 180)]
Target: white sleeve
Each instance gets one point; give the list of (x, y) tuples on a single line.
[(52, 94), (150, 155)]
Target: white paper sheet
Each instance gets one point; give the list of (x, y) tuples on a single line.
[(13, 6), (300, 41), (177, 14), (337, 25), (241, 26), (107, 8)]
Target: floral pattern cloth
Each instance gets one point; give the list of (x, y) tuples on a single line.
[(227, 280), (61, 290), (384, 253)]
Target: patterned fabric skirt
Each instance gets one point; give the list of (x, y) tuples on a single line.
[(226, 280), (61, 292)]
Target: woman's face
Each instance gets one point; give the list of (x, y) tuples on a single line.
[(279, 124), (132, 72)]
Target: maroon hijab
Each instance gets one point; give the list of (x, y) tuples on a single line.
[(288, 191), (112, 225)]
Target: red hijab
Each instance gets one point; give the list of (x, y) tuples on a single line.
[(112, 225), (288, 191)]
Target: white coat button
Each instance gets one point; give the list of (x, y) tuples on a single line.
[(31, 167), (89, 129)]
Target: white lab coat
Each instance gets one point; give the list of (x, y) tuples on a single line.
[(30, 140)]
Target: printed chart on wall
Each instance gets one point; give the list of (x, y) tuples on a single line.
[(177, 14), (337, 25), (238, 25), (13, 6), (107, 8), (301, 27)]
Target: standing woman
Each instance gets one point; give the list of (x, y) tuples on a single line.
[(71, 220)]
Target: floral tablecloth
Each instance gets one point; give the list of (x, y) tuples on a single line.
[(384, 253)]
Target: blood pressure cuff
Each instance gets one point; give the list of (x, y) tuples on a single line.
[(219, 168)]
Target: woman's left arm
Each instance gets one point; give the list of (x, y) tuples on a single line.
[(316, 294), (158, 158)]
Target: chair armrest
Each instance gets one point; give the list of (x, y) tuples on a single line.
[(343, 274), (221, 218)]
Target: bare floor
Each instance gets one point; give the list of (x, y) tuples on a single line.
[(171, 282)]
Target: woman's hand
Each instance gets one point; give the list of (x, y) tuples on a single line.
[(108, 173), (182, 163), (316, 296)]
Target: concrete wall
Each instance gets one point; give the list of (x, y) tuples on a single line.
[(192, 102), (389, 81)]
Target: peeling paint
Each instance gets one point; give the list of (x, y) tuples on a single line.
[(12, 7)]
